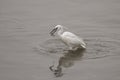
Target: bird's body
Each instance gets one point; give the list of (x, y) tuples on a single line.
[(70, 39)]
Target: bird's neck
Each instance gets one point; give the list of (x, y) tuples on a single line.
[(60, 32)]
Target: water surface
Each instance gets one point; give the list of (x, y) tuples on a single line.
[(27, 50)]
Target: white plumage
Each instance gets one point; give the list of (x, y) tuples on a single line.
[(70, 39)]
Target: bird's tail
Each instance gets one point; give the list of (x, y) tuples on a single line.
[(83, 46)]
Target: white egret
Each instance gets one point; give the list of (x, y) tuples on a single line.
[(70, 39)]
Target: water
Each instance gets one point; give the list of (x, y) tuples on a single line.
[(27, 50)]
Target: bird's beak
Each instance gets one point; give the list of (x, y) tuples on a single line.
[(53, 31)]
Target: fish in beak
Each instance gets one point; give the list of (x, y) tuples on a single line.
[(53, 31)]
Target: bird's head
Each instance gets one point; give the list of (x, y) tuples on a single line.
[(55, 29)]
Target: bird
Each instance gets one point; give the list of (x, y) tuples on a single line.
[(68, 38)]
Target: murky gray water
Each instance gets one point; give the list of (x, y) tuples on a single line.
[(27, 50)]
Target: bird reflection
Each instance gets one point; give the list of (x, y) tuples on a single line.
[(66, 61)]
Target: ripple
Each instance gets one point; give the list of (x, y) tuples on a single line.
[(53, 46), (96, 48), (101, 47)]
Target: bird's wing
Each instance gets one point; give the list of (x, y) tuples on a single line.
[(72, 37), (69, 34)]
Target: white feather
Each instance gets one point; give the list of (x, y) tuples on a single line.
[(70, 39)]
